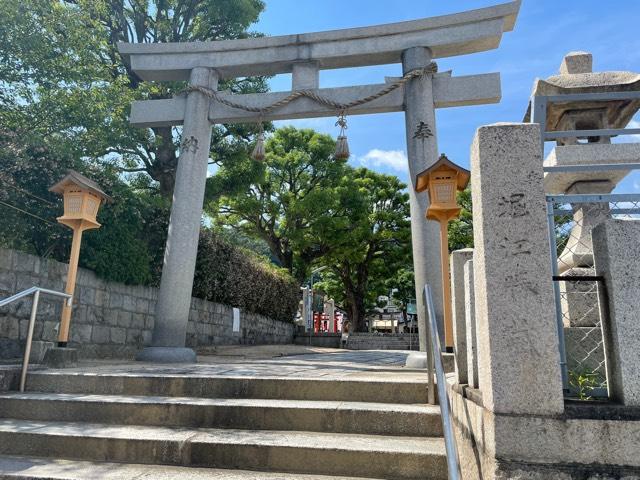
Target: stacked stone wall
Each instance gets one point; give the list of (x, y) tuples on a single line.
[(113, 320)]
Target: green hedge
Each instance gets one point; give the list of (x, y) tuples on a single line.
[(233, 276)]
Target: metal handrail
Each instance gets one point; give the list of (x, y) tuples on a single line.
[(32, 321), (434, 362)]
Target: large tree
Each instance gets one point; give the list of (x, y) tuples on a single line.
[(290, 201), (371, 245), (61, 75)]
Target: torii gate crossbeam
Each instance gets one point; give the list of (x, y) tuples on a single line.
[(414, 44)]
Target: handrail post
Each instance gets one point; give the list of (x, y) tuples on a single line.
[(27, 347), (443, 399), (32, 321), (431, 392)]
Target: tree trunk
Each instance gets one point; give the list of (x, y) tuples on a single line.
[(355, 306), (163, 169)]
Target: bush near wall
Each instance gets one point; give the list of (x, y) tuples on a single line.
[(234, 276)]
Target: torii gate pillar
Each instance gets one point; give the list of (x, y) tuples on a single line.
[(172, 309), (422, 152)]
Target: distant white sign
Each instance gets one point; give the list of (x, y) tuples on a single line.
[(236, 319)]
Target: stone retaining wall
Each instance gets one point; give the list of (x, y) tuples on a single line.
[(112, 319), (382, 341), (327, 340)]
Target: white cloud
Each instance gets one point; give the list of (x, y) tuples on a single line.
[(392, 159)]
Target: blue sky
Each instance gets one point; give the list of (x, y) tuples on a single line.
[(545, 31)]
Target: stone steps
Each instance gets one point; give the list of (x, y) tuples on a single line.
[(340, 421), (32, 468), (176, 385), (238, 413), (375, 456)]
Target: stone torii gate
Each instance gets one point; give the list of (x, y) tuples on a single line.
[(414, 44)]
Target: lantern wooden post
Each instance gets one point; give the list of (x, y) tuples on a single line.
[(442, 180), (82, 199)]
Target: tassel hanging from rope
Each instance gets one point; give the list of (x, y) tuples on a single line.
[(258, 153), (342, 145)]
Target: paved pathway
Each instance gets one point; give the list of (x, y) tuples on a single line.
[(327, 363)]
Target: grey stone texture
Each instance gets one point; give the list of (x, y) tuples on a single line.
[(471, 331), (458, 260), (579, 300), (578, 251), (167, 355), (518, 364), (38, 351), (576, 62), (616, 254), (176, 283), (448, 35), (57, 357), (587, 154), (448, 91), (305, 75), (116, 320), (538, 447), (578, 115), (326, 340), (421, 153), (386, 341), (362, 410)]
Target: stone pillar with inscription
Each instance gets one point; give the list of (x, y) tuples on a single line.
[(422, 151), (174, 298), (518, 357)]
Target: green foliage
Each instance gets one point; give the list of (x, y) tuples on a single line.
[(288, 201), (404, 282), (61, 75), (369, 242), (234, 276), (28, 167), (583, 382), (461, 229), (128, 246), (311, 209), (65, 95)]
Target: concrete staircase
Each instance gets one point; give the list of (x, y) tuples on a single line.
[(76, 425)]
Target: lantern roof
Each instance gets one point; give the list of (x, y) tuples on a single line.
[(443, 163), (75, 178)]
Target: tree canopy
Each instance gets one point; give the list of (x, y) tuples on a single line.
[(62, 76), (371, 243), (290, 201)]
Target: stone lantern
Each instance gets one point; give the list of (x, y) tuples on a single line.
[(82, 200), (443, 180)]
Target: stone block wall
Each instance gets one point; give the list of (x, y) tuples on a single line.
[(113, 320), (326, 340), (384, 341)]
